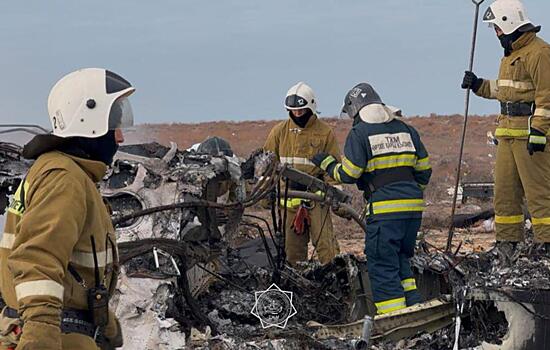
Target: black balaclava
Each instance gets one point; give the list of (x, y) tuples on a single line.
[(507, 40), (301, 121), (101, 148)]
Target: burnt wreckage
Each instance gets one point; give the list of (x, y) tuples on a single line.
[(192, 259)]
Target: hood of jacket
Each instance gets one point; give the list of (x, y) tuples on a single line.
[(379, 113)]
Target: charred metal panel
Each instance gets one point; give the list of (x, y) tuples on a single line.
[(480, 190)]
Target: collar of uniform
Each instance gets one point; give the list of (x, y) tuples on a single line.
[(310, 122), (523, 40), (95, 169)]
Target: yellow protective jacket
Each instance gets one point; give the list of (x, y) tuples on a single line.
[(524, 77), (49, 223), (295, 146)]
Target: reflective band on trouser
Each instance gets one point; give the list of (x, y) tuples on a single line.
[(336, 173), (511, 132), (513, 219), (86, 259), (391, 162), (493, 88), (351, 169), (525, 85), (396, 206), (296, 161), (422, 164), (541, 140), (291, 202), (39, 288), (542, 112), (326, 162), (7, 240), (408, 284), (387, 306), (540, 221)]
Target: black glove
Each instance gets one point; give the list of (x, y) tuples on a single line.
[(536, 142), (323, 160), (249, 166), (471, 81), (247, 169)]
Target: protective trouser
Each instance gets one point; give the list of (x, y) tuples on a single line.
[(389, 246), (321, 234), (517, 174)]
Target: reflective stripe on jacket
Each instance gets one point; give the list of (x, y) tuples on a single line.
[(385, 149), (524, 76), (296, 146), (49, 224)]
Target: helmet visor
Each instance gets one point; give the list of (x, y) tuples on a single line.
[(121, 115), (295, 102), (489, 15)]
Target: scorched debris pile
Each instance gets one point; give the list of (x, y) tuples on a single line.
[(193, 257)]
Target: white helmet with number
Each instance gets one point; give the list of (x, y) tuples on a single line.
[(89, 102), (508, 15), (301, 96)]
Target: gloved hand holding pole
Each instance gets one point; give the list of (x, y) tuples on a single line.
[(477, 3)]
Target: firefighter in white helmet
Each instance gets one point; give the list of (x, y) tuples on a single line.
[(295, 141), (523, 90), (58, 256)]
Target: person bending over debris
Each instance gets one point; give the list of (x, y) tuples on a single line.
[(294, 141), (58, 253), (388, 161), (523, 160)]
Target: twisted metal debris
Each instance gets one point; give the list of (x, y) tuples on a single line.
[(180, 217)]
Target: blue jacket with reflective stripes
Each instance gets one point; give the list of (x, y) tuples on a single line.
[(377, 152)]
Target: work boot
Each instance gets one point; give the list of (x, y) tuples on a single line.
[(507, 252)]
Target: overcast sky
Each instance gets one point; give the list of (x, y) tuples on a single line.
[(194, 61)]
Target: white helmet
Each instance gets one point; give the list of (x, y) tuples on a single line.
[(300, 96), (508, 15), (89, 102)]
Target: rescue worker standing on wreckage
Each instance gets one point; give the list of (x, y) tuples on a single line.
[(295, 141), (387, 160), (58, 256), (523, 158)]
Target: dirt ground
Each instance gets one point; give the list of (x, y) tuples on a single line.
[(440, 134)]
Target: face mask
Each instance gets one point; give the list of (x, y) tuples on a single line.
[(507, 40), (302, 120), (101, 149)]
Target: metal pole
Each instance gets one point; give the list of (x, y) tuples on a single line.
[(466, 110)]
